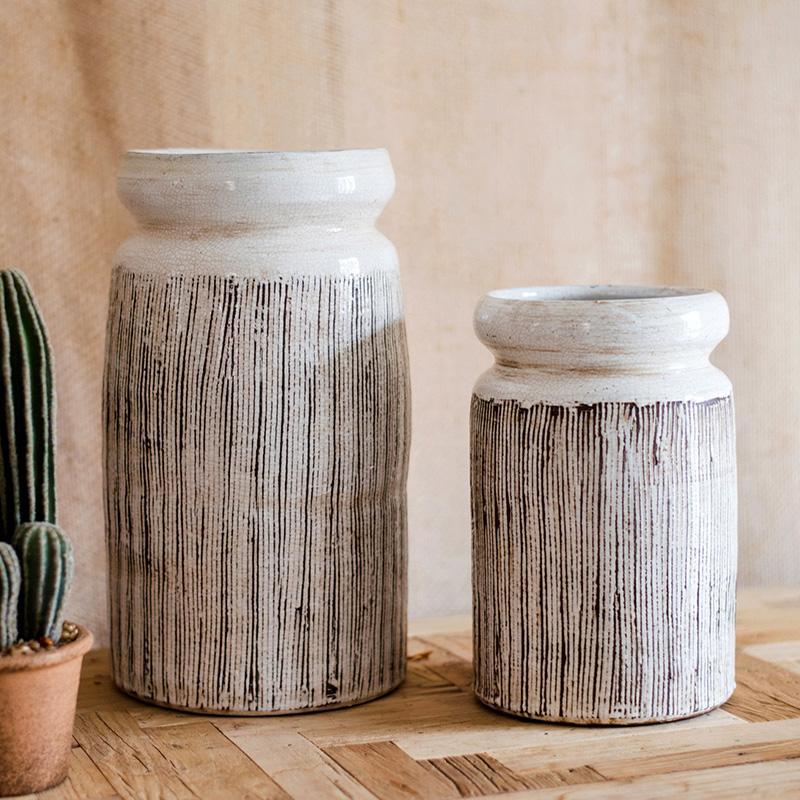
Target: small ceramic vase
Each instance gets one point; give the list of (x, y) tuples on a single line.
[(604, 505), (256, 433)]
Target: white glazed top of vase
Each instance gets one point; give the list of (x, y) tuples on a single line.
[(569, 345), (219, 211)]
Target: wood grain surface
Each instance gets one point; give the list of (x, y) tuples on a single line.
[(432, 739)]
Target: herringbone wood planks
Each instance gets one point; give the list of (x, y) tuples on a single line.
[(432, 739)]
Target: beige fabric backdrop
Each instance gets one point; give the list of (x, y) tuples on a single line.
[(557, 142)]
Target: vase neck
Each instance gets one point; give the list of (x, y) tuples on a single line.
[(623, 330)]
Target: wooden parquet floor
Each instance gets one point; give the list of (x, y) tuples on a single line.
[(432, 739)]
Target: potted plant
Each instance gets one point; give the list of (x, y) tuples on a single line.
[(40, 656)]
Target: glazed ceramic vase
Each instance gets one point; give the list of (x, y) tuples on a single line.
[(604, 505), (256, 433)]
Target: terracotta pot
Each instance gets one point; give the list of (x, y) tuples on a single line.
[(604, 505), (38, 692)]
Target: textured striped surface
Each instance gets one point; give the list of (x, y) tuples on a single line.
[(256, 454), (604, 558), (431, 739)]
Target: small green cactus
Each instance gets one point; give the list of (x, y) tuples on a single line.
[(9, 595), (27, 472), (45, 555)]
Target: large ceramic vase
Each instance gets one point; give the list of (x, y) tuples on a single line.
[(604, 505), (256, 433)]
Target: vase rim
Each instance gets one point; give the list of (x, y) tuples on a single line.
[(198, 162), (595, 293), (603, 330), (587, 344), (244, 190), (177, 152)]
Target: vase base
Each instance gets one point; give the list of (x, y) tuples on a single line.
[(214, 712), (603, 723)]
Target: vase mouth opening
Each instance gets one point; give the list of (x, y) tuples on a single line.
[(208, 164), (178, 152), (600, 293)]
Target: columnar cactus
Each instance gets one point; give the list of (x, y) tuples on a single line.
[(27, 473), (45, 555), (35, 579), (9, 595)]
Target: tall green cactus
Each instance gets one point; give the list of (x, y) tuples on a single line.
[(45, 554), (33, 581), (9, 595), (27, 471)]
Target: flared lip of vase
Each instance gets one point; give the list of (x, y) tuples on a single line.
[(238, 190), (539, 324)]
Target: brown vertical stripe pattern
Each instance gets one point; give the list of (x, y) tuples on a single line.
[(256, 454), (604, 549)]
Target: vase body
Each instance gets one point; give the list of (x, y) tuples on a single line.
[(604, 505), (256, 433)]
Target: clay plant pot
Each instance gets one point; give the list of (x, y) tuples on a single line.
[(38, 692)]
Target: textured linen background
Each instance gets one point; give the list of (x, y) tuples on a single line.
[(534, 142)]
